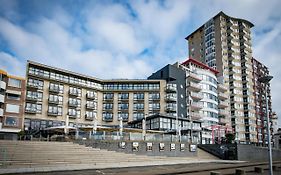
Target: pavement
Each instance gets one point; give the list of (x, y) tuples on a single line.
[(194, 168), (102, 166)]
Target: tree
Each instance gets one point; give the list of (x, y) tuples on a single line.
[(229, 137)]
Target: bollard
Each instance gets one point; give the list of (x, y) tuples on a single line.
[(240, 172), (215, 173), (259, 170)]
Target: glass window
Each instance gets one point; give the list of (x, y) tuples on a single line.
[(12, 108), (12, 121), (123, 106), (123, 96), (138, 96), (14, 83), (13, 96)]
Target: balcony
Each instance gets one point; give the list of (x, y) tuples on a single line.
[(91, 106), (72, 115), (54, 101), (171, 108), (223, 112), (108, 118), (53, 113), (2, 85), (89, 117), (193, 76), (171, 88), (171, 97), (30, 110), (74, 93), (2, 97), (54, 89), (193, 86), (222, 88), (196, 106), (1, 112), (31, 98), (223, 104), (195, 116), (32, 85), (72, 104), (91, 96), (196, 96), (223, 96)]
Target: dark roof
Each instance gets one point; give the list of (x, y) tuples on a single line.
[(221, 13)]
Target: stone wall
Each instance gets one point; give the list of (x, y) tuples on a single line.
[(256, 154), (142, 148)]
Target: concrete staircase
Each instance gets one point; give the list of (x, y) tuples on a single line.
[(33, 154)]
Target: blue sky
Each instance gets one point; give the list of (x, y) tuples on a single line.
[(126, 39)]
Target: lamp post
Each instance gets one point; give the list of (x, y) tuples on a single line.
[(266, 79), (144, 127)]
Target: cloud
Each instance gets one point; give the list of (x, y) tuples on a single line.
[(11, 64), (126, 39)]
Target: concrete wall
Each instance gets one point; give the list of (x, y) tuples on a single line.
[(253, 153), (114, 146)]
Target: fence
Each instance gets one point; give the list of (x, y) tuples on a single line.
[(131, 136)]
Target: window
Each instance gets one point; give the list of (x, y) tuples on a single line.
[(55, 110), (91, 94), (74, 113), (123, 96), (91, 104), (12, 108), (75, 102), (154, 106), (13, 96), (34, 95), (138, 106), (75, 91), (12, 121), (154, 96), (56, 87), (35, 83), (123, 106), (138, 115), (33, 108), (107, 106), (108, 96), (138, 96), (55, 99), (124, 116), (14, 83), (106, 116)]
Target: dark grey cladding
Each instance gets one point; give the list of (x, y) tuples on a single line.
[(173, 74)]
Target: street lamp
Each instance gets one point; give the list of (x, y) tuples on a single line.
[(266, 79)]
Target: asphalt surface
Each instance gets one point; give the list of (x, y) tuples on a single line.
[(194, 169)]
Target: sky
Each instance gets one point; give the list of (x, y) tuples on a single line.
[(126, 39)]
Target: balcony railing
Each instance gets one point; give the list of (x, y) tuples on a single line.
[(53, 113), (222, 87), (54, 89), (196, 106), (74, 93), (223, 112), (30, 110), (171, 97), (33, 85), (108, 118), (89, 117), (54, 101), (171, 107), (193, 76), (195, 116), (91, 106), (91, 96), (171, 88), (223, 96), (73, 104), (223, 104), (31, 98), (194, 86), (196, 96)]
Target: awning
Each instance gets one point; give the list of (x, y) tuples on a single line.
[(10, 130), (13, 92)]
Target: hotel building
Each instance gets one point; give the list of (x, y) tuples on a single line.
[(57, 97), (12, 95), (224, 43)]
